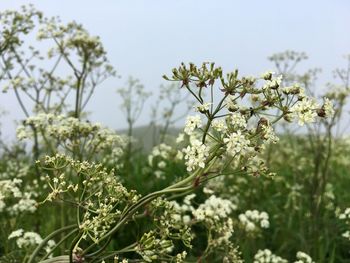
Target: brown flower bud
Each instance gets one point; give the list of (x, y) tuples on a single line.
[(321, 112)]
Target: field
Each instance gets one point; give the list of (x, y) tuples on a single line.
[(258, 172)]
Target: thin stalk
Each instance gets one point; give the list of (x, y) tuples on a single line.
[(43, 243)]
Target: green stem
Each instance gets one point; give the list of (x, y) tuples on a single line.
[(43, 243), (74, 245), (58, 244)]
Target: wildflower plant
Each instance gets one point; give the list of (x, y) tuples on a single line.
[(210, 153), (104, 205), (79, 165), (241, 122)]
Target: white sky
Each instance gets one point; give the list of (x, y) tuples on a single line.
[(146, 39)]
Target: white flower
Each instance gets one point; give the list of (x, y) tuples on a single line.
[(29, 239), (264, 223), (21, 133), (269, 134), (188, 198), (250, 226), (231, 104), (207, 190), (251, 219), (192, 122), (16, 233), (162, 165), (195, 155), (176, 217), (305, 111), (203, 107), (236, 143), (237, 120), (303, 258), (180, 257), (266, 256), (186, 219), (162, 150), (49, 246), (346, 235), (214, 208), (219, 125), (267, 75), (272, 83), (159, 174), (328, 107), (24, 205)]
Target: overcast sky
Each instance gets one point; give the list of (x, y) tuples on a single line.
[(146, 39)]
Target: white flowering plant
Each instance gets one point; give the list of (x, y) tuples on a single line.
[(84, 194), (210, 154)]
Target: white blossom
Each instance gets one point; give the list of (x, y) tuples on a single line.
[(237, 120), (192, 122), (236, 143), (266, 256), (219, 125), (214, 208), (195, 155), (231, 104), (253, 219), (328, 107), (303, 258), (203, 107), (305, 111)]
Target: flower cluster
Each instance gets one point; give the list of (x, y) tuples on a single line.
[(327, 108), (159, 157), (73, 39), (237, 120), (28, 240), (302, 257), (162, 150), (150, 247), (266, 256), (251, 220), (305, 111), (192, 122), (110, 196), (214, 214), (213, 209), (345, 216), (159, 243), (203, 107), (11, 191), (233, 124), (219, 125), (14, 169), (195, 155), (268, 134), (71, 133), (237, 143)]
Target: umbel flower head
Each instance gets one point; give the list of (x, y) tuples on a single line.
[(241, 122)]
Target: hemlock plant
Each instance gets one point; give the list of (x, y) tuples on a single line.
[(80, 166)]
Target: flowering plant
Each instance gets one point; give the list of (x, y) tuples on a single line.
[(83, 175)]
